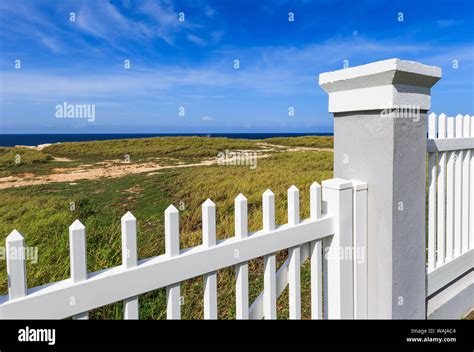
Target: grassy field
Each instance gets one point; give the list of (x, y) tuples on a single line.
[(42, 213)]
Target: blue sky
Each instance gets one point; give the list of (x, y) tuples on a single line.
[(190, 64)]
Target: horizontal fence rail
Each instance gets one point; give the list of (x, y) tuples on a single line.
[(450, 148), (303, 239)]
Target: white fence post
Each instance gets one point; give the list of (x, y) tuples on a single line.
[(16, 267), (209, 240), (269, 261), (340, 299), (78, 254), (241, 270), (173, 292), (129, 259), (380, 138), (316, 256), (294, 255)]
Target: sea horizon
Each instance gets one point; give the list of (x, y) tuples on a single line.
[(35, 139)]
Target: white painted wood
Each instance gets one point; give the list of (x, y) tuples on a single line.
[(256, 308), (129, 259), (173, 292), (209, 240), (241, 270), (458, 190), (52, 301), (294, 255), (450, 195), (466, 166), (316, 259), (450, 271), (78, 250), (441, 216), (432, 174), (471, 192), (269, 261), (16, 266), (360, 250), (449, 144), (338, 195)]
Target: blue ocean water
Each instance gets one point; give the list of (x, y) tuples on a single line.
[(10, 140)]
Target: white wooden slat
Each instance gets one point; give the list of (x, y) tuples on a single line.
[(458, 190), (16, 266), (129, 259), (450, 195), (360, 250), (78, 250), (466, 186), (269, 261), (450, 271), (241, 270), (432, 173), (209, 240), (338, 195), (158, 272), (316, 259), (294, 255), (173, 292), (441, 216), (449, 144), (471, 192), (256, 308)]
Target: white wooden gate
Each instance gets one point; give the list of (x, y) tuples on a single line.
[(450, 199), (337, 224)]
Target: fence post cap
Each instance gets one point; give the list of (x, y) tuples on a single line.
[(337, 184), (293, 189), (14, 236), (76, 225), (268, 193), (208, 203), (128, 217), (240, 198), (171, 209), (380, 85)]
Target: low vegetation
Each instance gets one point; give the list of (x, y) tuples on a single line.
[(43, 214)]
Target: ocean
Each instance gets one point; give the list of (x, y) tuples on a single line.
[(10, 140)]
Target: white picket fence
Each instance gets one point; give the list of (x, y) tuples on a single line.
[(450, 198), (337, 225)]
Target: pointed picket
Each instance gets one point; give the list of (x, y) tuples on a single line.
[(209, 240), (294, 255), (432, 173), (78, 249), (316, 259), (129, 260), (441, 201), (173, 292), (471, 192), (16, 267), (450, 170), (458, 190), (241, 270), (269, 261), (465, 186)]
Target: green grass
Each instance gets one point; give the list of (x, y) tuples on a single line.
[(176, 147), (306, 141), (42, 214)]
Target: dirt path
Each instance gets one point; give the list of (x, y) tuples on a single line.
[(115, 168)]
